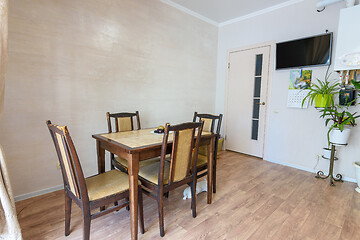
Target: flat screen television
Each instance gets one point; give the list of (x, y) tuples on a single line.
[(305, 52)]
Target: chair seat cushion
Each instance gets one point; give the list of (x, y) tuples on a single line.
[(150, 172), (142, 163), (201, 161), (106, 184), (202, 150)]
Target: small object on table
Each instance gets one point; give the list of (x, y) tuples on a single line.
[(160, 129)]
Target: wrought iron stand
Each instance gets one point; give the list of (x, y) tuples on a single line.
[(320, 174)]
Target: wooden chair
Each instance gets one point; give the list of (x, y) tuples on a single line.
[(168, 174), (123, 122), (92, 192), (209, 126)]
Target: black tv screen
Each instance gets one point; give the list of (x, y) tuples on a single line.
[(304, 52)]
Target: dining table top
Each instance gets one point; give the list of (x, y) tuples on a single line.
[(138, 139)]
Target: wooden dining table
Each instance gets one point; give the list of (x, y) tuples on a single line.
[(138, 145)]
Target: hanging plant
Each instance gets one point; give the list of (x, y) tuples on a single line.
[(322, 93)]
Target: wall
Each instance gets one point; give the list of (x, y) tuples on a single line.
[(72, 61), (295, 136)]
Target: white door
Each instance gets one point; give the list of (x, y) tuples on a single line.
[(246, 100)]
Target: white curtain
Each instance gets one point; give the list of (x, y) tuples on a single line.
[(9, 225)]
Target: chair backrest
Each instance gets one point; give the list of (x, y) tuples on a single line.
[(182, 151), (209, 121), (71, 170), (123, 121)]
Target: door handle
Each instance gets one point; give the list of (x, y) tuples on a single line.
[(262, 103)]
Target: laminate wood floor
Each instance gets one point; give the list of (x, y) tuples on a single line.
[(255, 199)]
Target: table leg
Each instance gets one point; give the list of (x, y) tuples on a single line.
[(210, 155), (214, 166), (133, 170), (101, 162), (100, 157)]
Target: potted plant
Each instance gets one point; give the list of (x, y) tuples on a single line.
[(322, 93), (341, 120)]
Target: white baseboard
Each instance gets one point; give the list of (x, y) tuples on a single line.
[(38, 193), (307, 169)]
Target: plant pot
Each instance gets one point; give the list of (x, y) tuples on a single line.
[(322, 101), (357, 172), (338, 137), (327, 153)]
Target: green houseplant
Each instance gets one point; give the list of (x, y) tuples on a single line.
[(322, 93), (340, 119)]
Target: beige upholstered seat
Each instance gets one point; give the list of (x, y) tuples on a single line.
[(92, 192), (202, 157), (201, 161), (209, 126), (174, 170), (143, 163), (106, 184), (150, 172), (124, 122), (203, 150)]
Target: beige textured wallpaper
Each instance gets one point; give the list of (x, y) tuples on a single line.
[(3, 49), (72, 61)]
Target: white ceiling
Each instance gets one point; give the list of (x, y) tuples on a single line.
[(222, 11)]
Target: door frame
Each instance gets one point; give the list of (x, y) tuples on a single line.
[(271, 69)]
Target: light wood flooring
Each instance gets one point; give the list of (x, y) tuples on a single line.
[(255, 199)]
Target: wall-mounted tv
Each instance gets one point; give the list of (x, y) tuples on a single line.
[(305, 52)]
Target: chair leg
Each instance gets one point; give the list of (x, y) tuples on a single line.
[(68, 202), (86, 222), (191, 191), (214, 165), (112, 156), (161, 212), (193, 197), (128, 206), (214, 175), (141, 211)]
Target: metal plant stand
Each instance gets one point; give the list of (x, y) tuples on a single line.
[(320, 174)]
